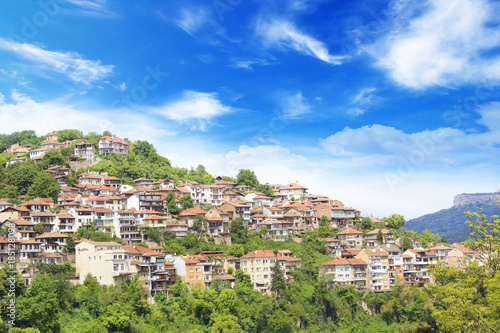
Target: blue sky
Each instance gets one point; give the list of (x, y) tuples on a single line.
[(388, 106)]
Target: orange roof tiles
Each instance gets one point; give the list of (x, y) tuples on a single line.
[(349, 231), (259, 254)]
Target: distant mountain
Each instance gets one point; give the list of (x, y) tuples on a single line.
[(451, 222)]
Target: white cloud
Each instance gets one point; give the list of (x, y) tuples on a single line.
[(194, 106), (361, 101), (355, 111), (25, 113), (446, 46), (364, 97), (18, 96), (388, 146), (71, 64), (247, 63), (284, 34), (122, 86), (93, 8), (294, 105), (192, 20), (2, 99)]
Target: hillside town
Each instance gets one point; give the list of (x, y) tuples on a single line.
[(46, 231)]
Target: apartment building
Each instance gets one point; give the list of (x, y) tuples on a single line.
[(416, 263), (378, 270), (194, 270), (345, 272), (108, 262), (112, 145), (293, 190), (350, 238), (258, 264), (396, 269), (85, 150)]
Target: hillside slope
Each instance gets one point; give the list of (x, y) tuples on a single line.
[(451, 222)]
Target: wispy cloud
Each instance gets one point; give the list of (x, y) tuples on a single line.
[(247, 63), (361, 101), (294, 105), (451, 43), (284, 34), (195, 108), (193, 19), (93, 8), (71, 64)]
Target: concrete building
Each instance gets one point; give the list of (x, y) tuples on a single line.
[(258, 264), (108, 262)]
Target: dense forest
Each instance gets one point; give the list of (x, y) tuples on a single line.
[(450, 222)]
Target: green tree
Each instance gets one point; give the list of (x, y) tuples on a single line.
[(486, 234), (187, 202), (40, 307), (200, 224), (171, 203), (278, 284), (266, 189), (44, 186), (24, 178), (238, 232), (69, 134), (236, 250), (52, 158), (247, 177), (242, 279), (367, 224), (406, 244), (395, 221), (380, 237)]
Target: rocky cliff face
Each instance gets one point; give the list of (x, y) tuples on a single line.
[(471, 198)]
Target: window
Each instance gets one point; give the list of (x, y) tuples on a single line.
[(198, 277), (191, 278), (198, 269), (191, 270), (122, 267)]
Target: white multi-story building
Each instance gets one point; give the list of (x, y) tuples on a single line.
[(293, 190), (108, 262), (112, 145)]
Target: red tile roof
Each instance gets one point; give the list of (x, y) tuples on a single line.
[(349, 231), (259, 254)]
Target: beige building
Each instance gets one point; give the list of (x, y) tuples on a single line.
[(378, 268), (345, 272), (108, 262), (258, 264), (350, 238)]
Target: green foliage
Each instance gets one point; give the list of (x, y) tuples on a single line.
[(238, 232), (39, 308), (278, 284), (450, 222), (266, 189), (44, 186), (200, 224), (171, 203), (247, 177), (69, 134), (236, 250), (187, 202), (486, 234), (23, 137), (395, 221), (52, 158)]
